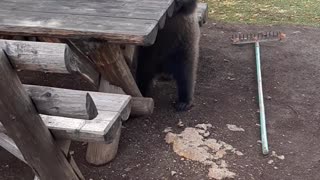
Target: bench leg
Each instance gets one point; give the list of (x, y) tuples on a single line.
[(100, 153), (112, 61)]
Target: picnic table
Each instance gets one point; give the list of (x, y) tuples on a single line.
[(101, 32)]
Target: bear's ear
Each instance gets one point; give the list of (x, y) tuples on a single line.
[(186, 6)]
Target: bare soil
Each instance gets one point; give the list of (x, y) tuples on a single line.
[(226, 93)]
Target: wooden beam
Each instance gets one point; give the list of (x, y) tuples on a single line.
[(73, 104), (140, 106), (7, 143), (24, 126), (100, 153), (49, 57), (111, 64), (109, 106)]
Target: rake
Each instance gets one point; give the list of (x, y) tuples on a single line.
[(256, 39)]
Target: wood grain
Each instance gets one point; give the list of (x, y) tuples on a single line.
[(111, 63), (49, 57), (121, 21), (109, 106), (74, 104), (24, 126)]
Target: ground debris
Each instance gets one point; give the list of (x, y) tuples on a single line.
[(192, 144), (274, 154), (233, 127)]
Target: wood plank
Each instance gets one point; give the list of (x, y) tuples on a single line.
[(24, 126), (152, 10), (74, 104), (103, 101), (48, 57), (109, 106), (115, 30)]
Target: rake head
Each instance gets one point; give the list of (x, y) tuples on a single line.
[(259, 37)]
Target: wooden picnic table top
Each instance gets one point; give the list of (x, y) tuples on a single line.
[(117, 21)]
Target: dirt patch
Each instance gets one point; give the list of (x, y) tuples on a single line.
[(192, 144), (291, 78)]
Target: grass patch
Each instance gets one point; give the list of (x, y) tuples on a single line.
[(302, 12)]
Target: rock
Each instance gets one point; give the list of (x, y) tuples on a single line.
[(270, 161), (233, 127), (180, 123), (168, 129), (173, 173)]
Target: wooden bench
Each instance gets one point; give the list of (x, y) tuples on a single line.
[(88, 116)]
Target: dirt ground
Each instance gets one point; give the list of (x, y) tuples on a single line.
[(226, 94)]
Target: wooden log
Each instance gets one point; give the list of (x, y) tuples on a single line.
[(140, 106), (7, 143), (49, 57), (111, 64), (25, 127), (100, 153), (65, 146), (73, 104)]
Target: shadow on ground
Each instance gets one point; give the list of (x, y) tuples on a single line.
[(226, 94)]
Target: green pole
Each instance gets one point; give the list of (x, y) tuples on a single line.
[(263, 128)]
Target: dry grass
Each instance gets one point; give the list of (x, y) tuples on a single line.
[(302, 12)]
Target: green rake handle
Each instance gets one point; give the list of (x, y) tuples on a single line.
[(264, 139)]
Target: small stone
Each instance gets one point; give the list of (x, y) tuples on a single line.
[(231, 78), (180, 123), (233, 127), (259, 141), (275, 167), (239, 153), (168, 129), (269, 97), (206, 134), (71, 152), (173, 173), (182, 159), (270, 161), (127, 169)]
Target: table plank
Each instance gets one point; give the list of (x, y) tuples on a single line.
[(118, 21), (115, 30)]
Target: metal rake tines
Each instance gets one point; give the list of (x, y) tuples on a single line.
[(253, 37)]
